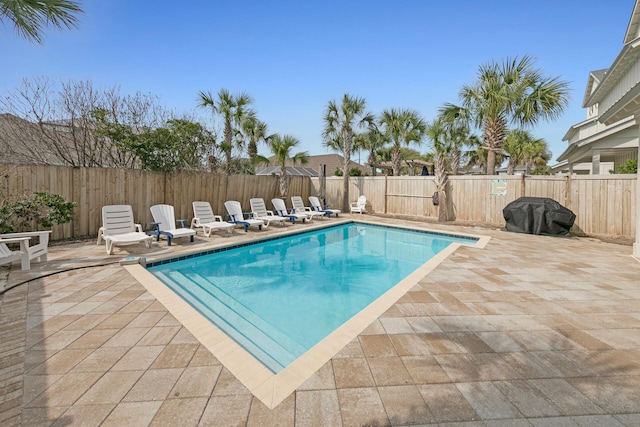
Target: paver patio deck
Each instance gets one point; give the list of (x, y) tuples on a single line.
[(530, 331)]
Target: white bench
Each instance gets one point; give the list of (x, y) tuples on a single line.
[(38, 250)]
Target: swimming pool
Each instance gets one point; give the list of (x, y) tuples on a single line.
[(278, 298)]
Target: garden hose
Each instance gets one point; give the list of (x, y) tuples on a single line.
[(3, 291)]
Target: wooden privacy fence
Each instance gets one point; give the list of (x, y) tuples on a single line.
[(92, 188), (605, 205)]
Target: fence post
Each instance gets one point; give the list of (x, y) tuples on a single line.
[(385, 194), (567, 194), (523, 186), (75, 197)]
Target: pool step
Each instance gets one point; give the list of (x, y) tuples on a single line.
[(281, 339), (269, 345)]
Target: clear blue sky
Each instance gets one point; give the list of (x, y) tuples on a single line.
[(293, 57)]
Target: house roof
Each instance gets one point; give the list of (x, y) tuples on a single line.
[(15, 132), (626, 105), (332, 162), (595, 77), (290, 170)]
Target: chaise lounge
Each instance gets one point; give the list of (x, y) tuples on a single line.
[(281, 209), (316, 206), (237, 217), (164, 224), (118, 228), (205, 219), (259, 211), (300, 208)]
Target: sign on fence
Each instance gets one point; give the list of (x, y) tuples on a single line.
[(499, 187)]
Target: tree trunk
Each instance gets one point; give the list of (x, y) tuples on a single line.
[(441, 185), (228, 139), (283, 184), (396, 161), (455, 160), (492, 138), (511, 167), (252, 150), (346, 154), (491, 162)]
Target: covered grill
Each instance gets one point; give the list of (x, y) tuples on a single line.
[(538, 215)]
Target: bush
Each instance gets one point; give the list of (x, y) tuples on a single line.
[(631, 166), (41, 210)]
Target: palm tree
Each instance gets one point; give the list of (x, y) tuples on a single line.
[(514, 148), (30, 17), (372, 141), (233, 109), (524, 149), (401, 127), (340, 121), (512, 91), (281, 147), (536, 153), (255, 131), (436, 132), (457, 135)]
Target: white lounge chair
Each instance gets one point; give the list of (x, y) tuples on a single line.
[(281, 209), (7, 256), (359, 206), (118, 228), (39, 250), (259, 211), (316, 206), (164, 224), (237, 217), (299, 207), (204, 217)]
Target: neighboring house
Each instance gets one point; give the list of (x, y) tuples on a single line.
[(57, 143), (617, 100), (290, 170), (518, 170), (332, 162), (411, 167), (22, 142), (596, 148)]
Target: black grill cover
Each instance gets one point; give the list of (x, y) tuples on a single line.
[(538, 215)]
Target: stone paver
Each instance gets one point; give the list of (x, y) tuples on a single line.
[(531, 331)]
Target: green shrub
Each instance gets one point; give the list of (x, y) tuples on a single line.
[(31, 213), (631, 166)]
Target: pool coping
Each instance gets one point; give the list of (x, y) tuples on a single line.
[(271, 389)]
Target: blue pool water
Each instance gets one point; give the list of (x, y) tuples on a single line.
[(280, 297)]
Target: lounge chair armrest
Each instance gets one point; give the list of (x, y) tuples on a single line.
[(181, 222), (138, 227), (155, 226), (217, 218), (14, 239)]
